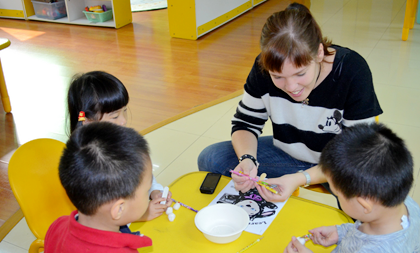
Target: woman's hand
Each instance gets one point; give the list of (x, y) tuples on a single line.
[(247, 167), (296, 246), (286, 185), (325, 236)]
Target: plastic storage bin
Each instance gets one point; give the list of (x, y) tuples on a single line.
[(98, 17), (50, 10)]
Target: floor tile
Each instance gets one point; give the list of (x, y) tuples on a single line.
[(186, 162), (166, 145), (201, 122), (400, 104), (20, 235), (6, 247)]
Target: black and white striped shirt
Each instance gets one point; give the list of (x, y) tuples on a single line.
[(344, 98)]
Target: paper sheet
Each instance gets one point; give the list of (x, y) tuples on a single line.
[(261, 213)]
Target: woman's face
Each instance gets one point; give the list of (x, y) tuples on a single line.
[(118, 117), (298, 83)]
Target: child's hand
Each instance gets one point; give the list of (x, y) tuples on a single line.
[(154, 210), (156, 194), (325, 236), (296, 246)]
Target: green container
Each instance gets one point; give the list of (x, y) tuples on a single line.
[(98, 17)]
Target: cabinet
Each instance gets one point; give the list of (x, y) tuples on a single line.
[(190, 19), (24, 9)]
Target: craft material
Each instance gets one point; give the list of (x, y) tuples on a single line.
[(177, 206), (222, 223), (304, 239), (171, 217), (165, 194), (169, 210), (252, 244), (261, 212), (184, 205), (263, 184)]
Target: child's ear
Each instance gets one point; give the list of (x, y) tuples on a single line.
[(117, 209), (366, 203), (86, 121)]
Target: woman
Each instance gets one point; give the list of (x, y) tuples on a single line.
[(310, 89)]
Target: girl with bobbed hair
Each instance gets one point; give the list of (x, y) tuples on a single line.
[(310, 89)]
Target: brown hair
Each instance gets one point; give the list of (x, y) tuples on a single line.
[(291, 34)]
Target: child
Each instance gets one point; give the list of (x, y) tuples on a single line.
[(106, 172), (370, 170), (99, 96)]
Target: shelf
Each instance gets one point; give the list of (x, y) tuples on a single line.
[(121, 12)]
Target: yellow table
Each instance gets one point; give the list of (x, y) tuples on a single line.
[(181, 235), (3, 89)]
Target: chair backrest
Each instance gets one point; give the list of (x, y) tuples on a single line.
[(34, 179)]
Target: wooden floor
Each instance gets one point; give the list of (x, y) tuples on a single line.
[(164, 76)]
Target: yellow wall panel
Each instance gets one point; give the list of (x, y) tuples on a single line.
[(122, 13), (181, 15), (12, 13), (29, 8)]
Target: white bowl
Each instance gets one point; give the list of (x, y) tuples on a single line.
[(222, 223)]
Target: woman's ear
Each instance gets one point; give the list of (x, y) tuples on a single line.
[(366, 203), (117, 209), (320, 55)]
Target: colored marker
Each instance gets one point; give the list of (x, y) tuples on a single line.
[(184, 205), (262, 183), (252, 244), (304, 239)]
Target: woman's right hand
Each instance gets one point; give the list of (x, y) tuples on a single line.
[(247, 167)]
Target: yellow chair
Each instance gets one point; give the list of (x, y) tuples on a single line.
[(3, 89), (33, 176), (409, 17)]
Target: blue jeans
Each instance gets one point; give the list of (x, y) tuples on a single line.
[(221, 157)]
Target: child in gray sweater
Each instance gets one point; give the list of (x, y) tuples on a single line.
[(370, 170)]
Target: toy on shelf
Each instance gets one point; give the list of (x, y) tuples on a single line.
[(98, 13), (50, 9)]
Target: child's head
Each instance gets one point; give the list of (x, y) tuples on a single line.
[(105, 163), (101, 96), (369, 161)]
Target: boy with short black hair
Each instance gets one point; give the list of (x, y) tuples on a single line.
[(106, 172), (370, 170)]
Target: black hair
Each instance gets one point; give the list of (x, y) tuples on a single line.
[(94, 93), (369, 160), (102, 162)]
